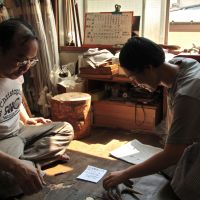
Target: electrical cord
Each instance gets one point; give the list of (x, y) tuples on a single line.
[(142, 106)]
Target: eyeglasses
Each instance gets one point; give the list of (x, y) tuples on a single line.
[(29, 62)]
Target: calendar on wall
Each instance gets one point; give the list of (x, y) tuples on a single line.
[(107, 28)]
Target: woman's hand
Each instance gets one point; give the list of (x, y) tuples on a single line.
[(114, 178), (36, 120)]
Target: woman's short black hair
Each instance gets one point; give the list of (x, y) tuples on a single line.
[(12, 26), (139, 52)]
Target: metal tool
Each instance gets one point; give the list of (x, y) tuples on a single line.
[(115, 193)]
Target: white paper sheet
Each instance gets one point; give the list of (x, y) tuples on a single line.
[(92, 174), (135, 152)]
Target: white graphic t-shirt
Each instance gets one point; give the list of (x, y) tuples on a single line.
[(10, 101)]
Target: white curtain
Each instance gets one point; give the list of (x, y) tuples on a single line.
[(155, 20)]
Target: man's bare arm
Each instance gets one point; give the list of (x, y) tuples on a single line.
[(28, 178), (24, 117), (164, 159)]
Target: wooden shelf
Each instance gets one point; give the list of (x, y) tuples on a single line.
[(121, 114), (188, 55), (101, 77), (128, 104), (84, 49)]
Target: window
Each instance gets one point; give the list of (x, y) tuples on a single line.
[(184, 22)]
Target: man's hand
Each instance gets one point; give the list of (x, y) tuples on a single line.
[(114, 178), (28, 178), (162, 160), (37, 120)]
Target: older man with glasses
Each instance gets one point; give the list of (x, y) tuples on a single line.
[(38, 141)]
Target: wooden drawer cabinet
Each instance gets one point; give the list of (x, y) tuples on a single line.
[(123, 114), (126, 115)]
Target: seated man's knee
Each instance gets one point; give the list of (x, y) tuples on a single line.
[(64, 128), (68, 128)]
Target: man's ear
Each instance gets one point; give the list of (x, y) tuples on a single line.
[(149, 66)]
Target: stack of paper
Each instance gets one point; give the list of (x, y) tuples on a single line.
[(135, 152)]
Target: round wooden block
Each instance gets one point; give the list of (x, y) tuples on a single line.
[(73, 107)]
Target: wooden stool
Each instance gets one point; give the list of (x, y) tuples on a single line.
[(73, 107)]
